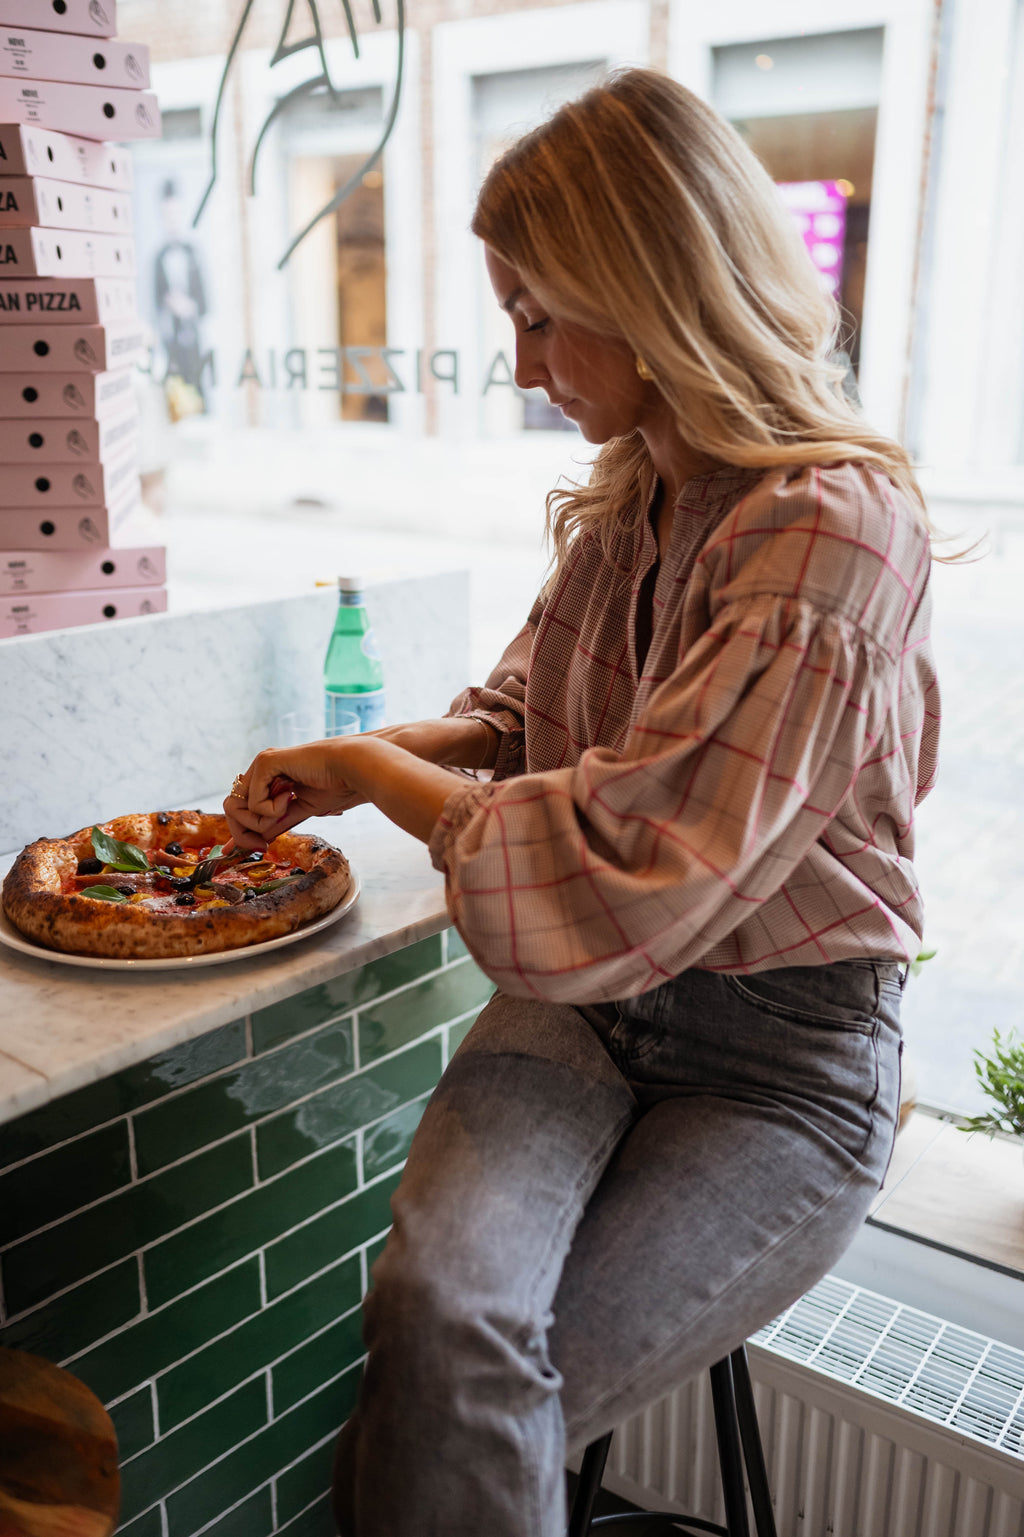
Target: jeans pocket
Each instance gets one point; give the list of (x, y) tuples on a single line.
[(842, 996)]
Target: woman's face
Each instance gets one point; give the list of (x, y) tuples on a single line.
[(592, 379)]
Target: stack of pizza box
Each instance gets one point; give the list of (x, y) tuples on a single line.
[(70, 337)]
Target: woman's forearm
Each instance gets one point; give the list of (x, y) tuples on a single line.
[(408, 790), (455, 741)]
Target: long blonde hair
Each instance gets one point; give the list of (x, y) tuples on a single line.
[(639, 213)]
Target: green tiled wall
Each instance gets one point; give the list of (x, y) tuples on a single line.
[(192, 1238)]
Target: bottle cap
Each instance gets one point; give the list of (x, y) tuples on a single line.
[(350, 584)]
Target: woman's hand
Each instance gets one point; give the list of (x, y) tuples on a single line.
[(284, 786)]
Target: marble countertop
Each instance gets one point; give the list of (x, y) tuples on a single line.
[(63, 1026)]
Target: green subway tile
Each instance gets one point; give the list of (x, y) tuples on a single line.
[(39, 1266), (149, 1525), (457, 947), (246, 1225), (72, 1322), (383, 1027), (115, 1096), (340, 1110), (457, 1034), (190, 1449), (303, 1486), (75, 1175), (317, 1521), (319, 1004), (253, 1518), (276, 1447), (257, 1342), (315, 1362), (373, 1254), (388, 1142), (312, 1247), (133, 1421), (225, 1104), (156, 1341)]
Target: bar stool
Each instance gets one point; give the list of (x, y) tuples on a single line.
[(739, 1442), (58, 1453)]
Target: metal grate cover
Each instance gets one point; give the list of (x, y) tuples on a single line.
[(949, 1375)]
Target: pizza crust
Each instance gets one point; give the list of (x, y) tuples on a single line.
[(34, 902)]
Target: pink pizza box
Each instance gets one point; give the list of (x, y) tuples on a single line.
[(66, 301), (29, 55), (46, 440), (31, 613), (67, 349), (70, 485), (72, 570), (70, 528), (65, 253), (67, 395), (28, 200), (91, 111), (88, 18), (29, 151)]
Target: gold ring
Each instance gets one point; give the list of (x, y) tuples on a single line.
[(238, 787)]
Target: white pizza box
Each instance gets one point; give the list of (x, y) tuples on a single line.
[(73, 570), (66, 301), (72, 528), (91, 111), (30, 151), (70, 485), (67, 349), (67, 395), (31, 613), (65, 253), (29, 55), (48, 440), (28, 200), (88, 18)]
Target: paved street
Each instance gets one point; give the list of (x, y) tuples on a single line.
[(236, 533)]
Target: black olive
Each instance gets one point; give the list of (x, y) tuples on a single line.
[(186, 899), (249, 894), (179, 882), (174, 848), (126, 891), (89, 867), (162, 818), (253, 858)]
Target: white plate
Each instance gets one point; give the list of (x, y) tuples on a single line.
[(9, 935)]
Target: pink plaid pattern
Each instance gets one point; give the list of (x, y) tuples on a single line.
[(748, 801)]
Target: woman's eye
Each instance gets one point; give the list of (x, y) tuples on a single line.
[(538, 325)]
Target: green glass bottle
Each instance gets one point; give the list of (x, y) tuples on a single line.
[(353, 677)]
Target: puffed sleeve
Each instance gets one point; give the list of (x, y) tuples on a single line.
[(602, 880), (501, 701)]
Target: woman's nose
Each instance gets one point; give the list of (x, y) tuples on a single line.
[(531, 371)]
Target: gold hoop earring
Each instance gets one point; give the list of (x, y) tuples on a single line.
[(643, 368)]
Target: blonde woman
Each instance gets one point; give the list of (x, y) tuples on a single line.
[(690, 875)]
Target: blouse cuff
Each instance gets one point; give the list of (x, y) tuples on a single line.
[(511, 756), (457, 810)]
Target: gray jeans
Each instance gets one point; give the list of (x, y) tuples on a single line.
[(599, 1202)]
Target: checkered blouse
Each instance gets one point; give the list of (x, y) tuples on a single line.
[(747, 801)]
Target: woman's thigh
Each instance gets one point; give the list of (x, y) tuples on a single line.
[(509, 1150), (768, 1113)]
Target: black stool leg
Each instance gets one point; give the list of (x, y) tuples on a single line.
[(587, 1486), (753, 1454), (730, 1456)]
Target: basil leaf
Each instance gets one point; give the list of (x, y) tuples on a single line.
[(285, 880), (104, 893), (120, 856)]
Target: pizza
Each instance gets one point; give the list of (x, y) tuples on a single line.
[(158, 886)]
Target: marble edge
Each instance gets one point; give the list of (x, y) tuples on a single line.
[(37, 1088)]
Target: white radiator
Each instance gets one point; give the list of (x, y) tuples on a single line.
[(877, 1420)]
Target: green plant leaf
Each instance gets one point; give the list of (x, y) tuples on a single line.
[(104, 894), (118, 855), (1000, 1075), (285, 880)]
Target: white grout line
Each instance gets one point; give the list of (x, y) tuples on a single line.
[(133, 1161), (262, 1262), (143, 1298), (156, 1410)]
